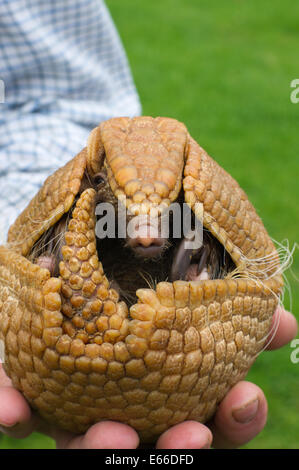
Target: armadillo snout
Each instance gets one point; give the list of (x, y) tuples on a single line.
[(144, 236)]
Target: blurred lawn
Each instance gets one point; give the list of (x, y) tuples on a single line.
[(224, 68)]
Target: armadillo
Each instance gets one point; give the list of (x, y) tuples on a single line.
[(137, 329)]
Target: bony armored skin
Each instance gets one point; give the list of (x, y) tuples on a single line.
[(138, 330)]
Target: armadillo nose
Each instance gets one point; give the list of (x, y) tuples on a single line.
[(147, 241), (148, 247)]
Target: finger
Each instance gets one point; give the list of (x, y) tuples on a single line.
[(241, 415), (286, 328), (187, 435), (15, 414), (103, 435), (16, 417)]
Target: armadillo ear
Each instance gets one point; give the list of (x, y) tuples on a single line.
[(95, 152), (227, 212), (54, 199)]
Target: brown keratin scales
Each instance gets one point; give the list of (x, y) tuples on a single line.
[(135, 329)]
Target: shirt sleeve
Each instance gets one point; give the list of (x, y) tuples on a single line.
[(64, 70)]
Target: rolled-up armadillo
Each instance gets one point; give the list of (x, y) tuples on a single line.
[(137, 329)]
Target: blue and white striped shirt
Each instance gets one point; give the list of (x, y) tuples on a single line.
[(64, 71)]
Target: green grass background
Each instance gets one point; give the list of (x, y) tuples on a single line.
[(224, 68)]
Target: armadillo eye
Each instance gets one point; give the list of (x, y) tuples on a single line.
[(99, 178)]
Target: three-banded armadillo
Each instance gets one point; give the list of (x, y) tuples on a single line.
[(136, 329)]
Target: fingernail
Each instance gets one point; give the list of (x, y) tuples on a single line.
[(247, 412), (6, 425), (206, 446)]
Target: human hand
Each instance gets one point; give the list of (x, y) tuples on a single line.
[(239, 418)]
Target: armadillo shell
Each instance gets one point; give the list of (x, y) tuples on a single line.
[(75, 350)]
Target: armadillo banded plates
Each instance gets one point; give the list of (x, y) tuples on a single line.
[(86, 338)]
